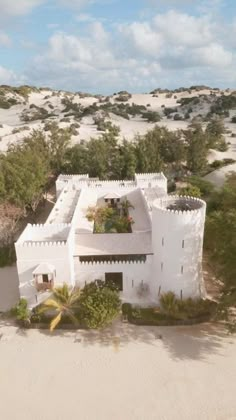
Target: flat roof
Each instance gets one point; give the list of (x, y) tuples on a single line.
[(113, 244)]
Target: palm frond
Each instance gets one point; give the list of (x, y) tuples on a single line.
[(55, 321), (49, 304)]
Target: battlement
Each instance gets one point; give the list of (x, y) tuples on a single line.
[(150, 175), (105, 263), (44, 235), (181, 205)]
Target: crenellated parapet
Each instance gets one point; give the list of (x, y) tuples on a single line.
[(179, 205)]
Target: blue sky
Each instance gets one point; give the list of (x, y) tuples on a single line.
[(103, 46)]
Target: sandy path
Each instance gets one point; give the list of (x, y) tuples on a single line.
[(189, 374)]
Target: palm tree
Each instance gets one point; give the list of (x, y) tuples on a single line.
[(168, 303), (126, 205), (64, 301)]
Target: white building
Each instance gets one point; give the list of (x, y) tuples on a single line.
[(161, 252)]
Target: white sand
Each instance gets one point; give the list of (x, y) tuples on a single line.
[(10, 119), (189, 374)]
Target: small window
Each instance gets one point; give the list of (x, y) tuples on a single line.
[(162, 265), (45, 278), (182, 269), (183, 243), (163, 241), (159, 291), (181, 294), (132, 283)]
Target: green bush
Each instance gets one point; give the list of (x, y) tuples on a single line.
[(205, 187), (126, 309), (172, 311), (190, 190), (151, 116), (99, 305), (21, 311)]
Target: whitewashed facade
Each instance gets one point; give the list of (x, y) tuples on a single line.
[(163, 252)]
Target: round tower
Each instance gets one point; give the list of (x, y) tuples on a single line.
[(177, 238)]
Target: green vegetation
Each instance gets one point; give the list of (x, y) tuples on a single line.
[(217, 164), (64, 303), (205, 187), (220, 241), (94, 306), (21, 312), (197, 149), (171, 311), (190, 190), (111, 219), (215, 134), (223, 104), (195, 100), (99, 304), (6, 103)]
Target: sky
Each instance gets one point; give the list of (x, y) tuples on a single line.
[(104, 46)]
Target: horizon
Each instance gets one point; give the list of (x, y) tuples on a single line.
[(108, 45)]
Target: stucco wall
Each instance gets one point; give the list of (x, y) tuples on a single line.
[(133, 275), (177, 244)]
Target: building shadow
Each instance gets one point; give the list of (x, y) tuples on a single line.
[(182, 343)]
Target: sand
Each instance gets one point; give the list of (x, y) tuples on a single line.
[(125, 372)]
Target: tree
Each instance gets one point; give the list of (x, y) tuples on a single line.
[(126, 205), (215, 133), (58, 142), (25, 174), (64, 302), (221, 231), (99, 304), (197, 149)]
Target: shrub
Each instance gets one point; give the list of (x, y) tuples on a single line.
[(151, 116), (233, 120), (99, 304), (205, 187), (177, 117), (126, 309), (21, 311), (191, 191)]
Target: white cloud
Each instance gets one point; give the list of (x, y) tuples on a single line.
[(171, 49), (7, 76), (5, 41), (18, 7), (85, 17)]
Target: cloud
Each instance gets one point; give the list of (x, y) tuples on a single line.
[(7, 76), (170, 49), (78, 4), (18, 7), (85, 18), (5, 41)]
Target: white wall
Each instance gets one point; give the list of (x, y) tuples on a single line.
[(177, 265), (58, 254), (133, 275)]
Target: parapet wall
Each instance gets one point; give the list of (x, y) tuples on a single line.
[(181, 205)]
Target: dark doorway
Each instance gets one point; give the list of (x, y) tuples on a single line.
[(45, 278), (115, 278)]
